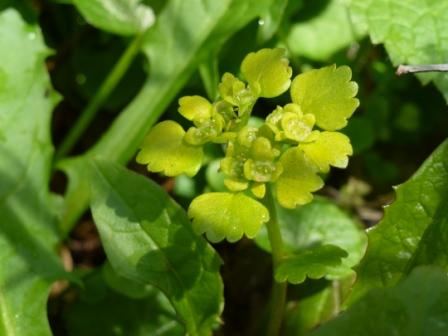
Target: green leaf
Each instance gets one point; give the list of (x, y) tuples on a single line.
[(206, 25), (223, 215), (210, 76), (414, 222), (329, 148), (319, 37), (327, 93), (417, 306), (270, 20), (298, 180), (124, 286), (314, 307), (123, 17), (164, 150), (268, 71), (28, 228), (413, 31), (148, 239), (314, 263), (100, 310), (319, 223), (362, 133)]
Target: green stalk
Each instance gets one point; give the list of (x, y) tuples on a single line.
[(98, 100), (278, 295)]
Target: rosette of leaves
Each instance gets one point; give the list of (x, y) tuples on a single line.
[(288, 152)]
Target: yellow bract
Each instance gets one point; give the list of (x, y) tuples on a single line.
[(228, 216), (164, 151), (327, 93), (268, 70), (195, 107), (329, 149), (298, 180)]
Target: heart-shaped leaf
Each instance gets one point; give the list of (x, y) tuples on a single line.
[(149, 240)]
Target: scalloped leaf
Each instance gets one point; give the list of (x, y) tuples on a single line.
[(314, 263), (329, 149), (195, 108), (320, 222), (123, 17), (222, 215), (269, 70), (327, 93), (164, 151), (298, 180)]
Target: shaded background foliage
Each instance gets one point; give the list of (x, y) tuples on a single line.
[(399, 123)]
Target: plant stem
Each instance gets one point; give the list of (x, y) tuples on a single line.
[(97, 101), (405, 69), (278, 295)]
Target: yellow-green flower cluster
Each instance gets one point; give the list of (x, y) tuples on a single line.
[(289, 150)]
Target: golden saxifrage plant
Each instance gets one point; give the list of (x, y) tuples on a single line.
[(284, 156)]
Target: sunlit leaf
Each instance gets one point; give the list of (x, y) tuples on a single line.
[(314, 263), (29, 235), (298, 180), (329, 148), (327, 93), (268, 70), (228, 216), (164, 150), (149, 240)]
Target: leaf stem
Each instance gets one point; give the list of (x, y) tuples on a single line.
[(106, 88), (278, 295)]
